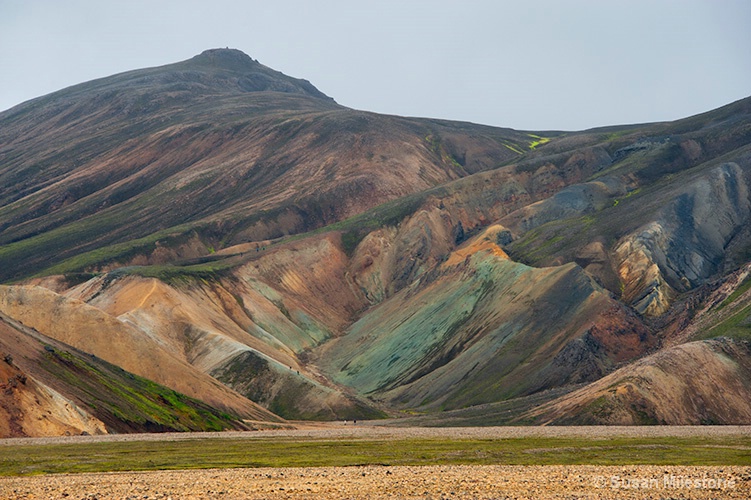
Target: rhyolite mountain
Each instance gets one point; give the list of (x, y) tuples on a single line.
[(213, 244)]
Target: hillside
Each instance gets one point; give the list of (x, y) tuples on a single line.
[(207, 153), (234, 235), (696, 383), (50, 389)]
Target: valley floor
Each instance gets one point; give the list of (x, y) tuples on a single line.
[(396, 481), (388, 429)]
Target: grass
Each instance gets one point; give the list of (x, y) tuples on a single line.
[(737, 326), (513, 148), (540, 244), (742, 288), (119, 251), (203, 453), (128, 402), (537, 141), (353, 230), (175, 275)]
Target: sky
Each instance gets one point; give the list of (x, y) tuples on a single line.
[(530, 65)]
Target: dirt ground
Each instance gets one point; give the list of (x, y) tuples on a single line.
[(406, 482), (432, 482)]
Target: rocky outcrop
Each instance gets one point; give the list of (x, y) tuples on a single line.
[(686, 245), (572, 201)]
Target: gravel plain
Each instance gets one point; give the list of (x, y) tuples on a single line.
[(425, 482), (405, 482)]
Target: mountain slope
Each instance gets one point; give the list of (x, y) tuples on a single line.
[(477, 329), (695, 383), (50, 388), (673, 203), (218, 150), (234, 333), (93, 331)]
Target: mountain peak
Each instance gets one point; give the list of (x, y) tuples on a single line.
[(249, 74), (227, 58)]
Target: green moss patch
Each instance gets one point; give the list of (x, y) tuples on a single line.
[(126, 402), (296, 452)]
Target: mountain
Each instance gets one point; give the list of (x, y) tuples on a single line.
[(214, 151), (232, 235)]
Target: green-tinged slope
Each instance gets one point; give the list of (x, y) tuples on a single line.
[(732, 316), (121, 343), (289, 393), (129, 403), (121, 401), (482, 328), (239, 331)]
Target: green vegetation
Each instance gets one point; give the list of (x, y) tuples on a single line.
[(555, 237), (351, 239), (537, 141), (436, 146), (742, 288), (736, 320), (118, 252), (356, 228), (513, 148), (175, 275), (203, 453), (737, 326), (127, 402)]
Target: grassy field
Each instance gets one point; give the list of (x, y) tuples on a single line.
[(295, 452)]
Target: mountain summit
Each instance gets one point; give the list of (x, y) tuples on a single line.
[(227, 58), (253, 76)]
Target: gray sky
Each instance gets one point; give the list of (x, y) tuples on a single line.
[(534, 65)]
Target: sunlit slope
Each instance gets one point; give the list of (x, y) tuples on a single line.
[(93, 331), (50, 389)]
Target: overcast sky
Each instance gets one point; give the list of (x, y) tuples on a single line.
[(534, 65)]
